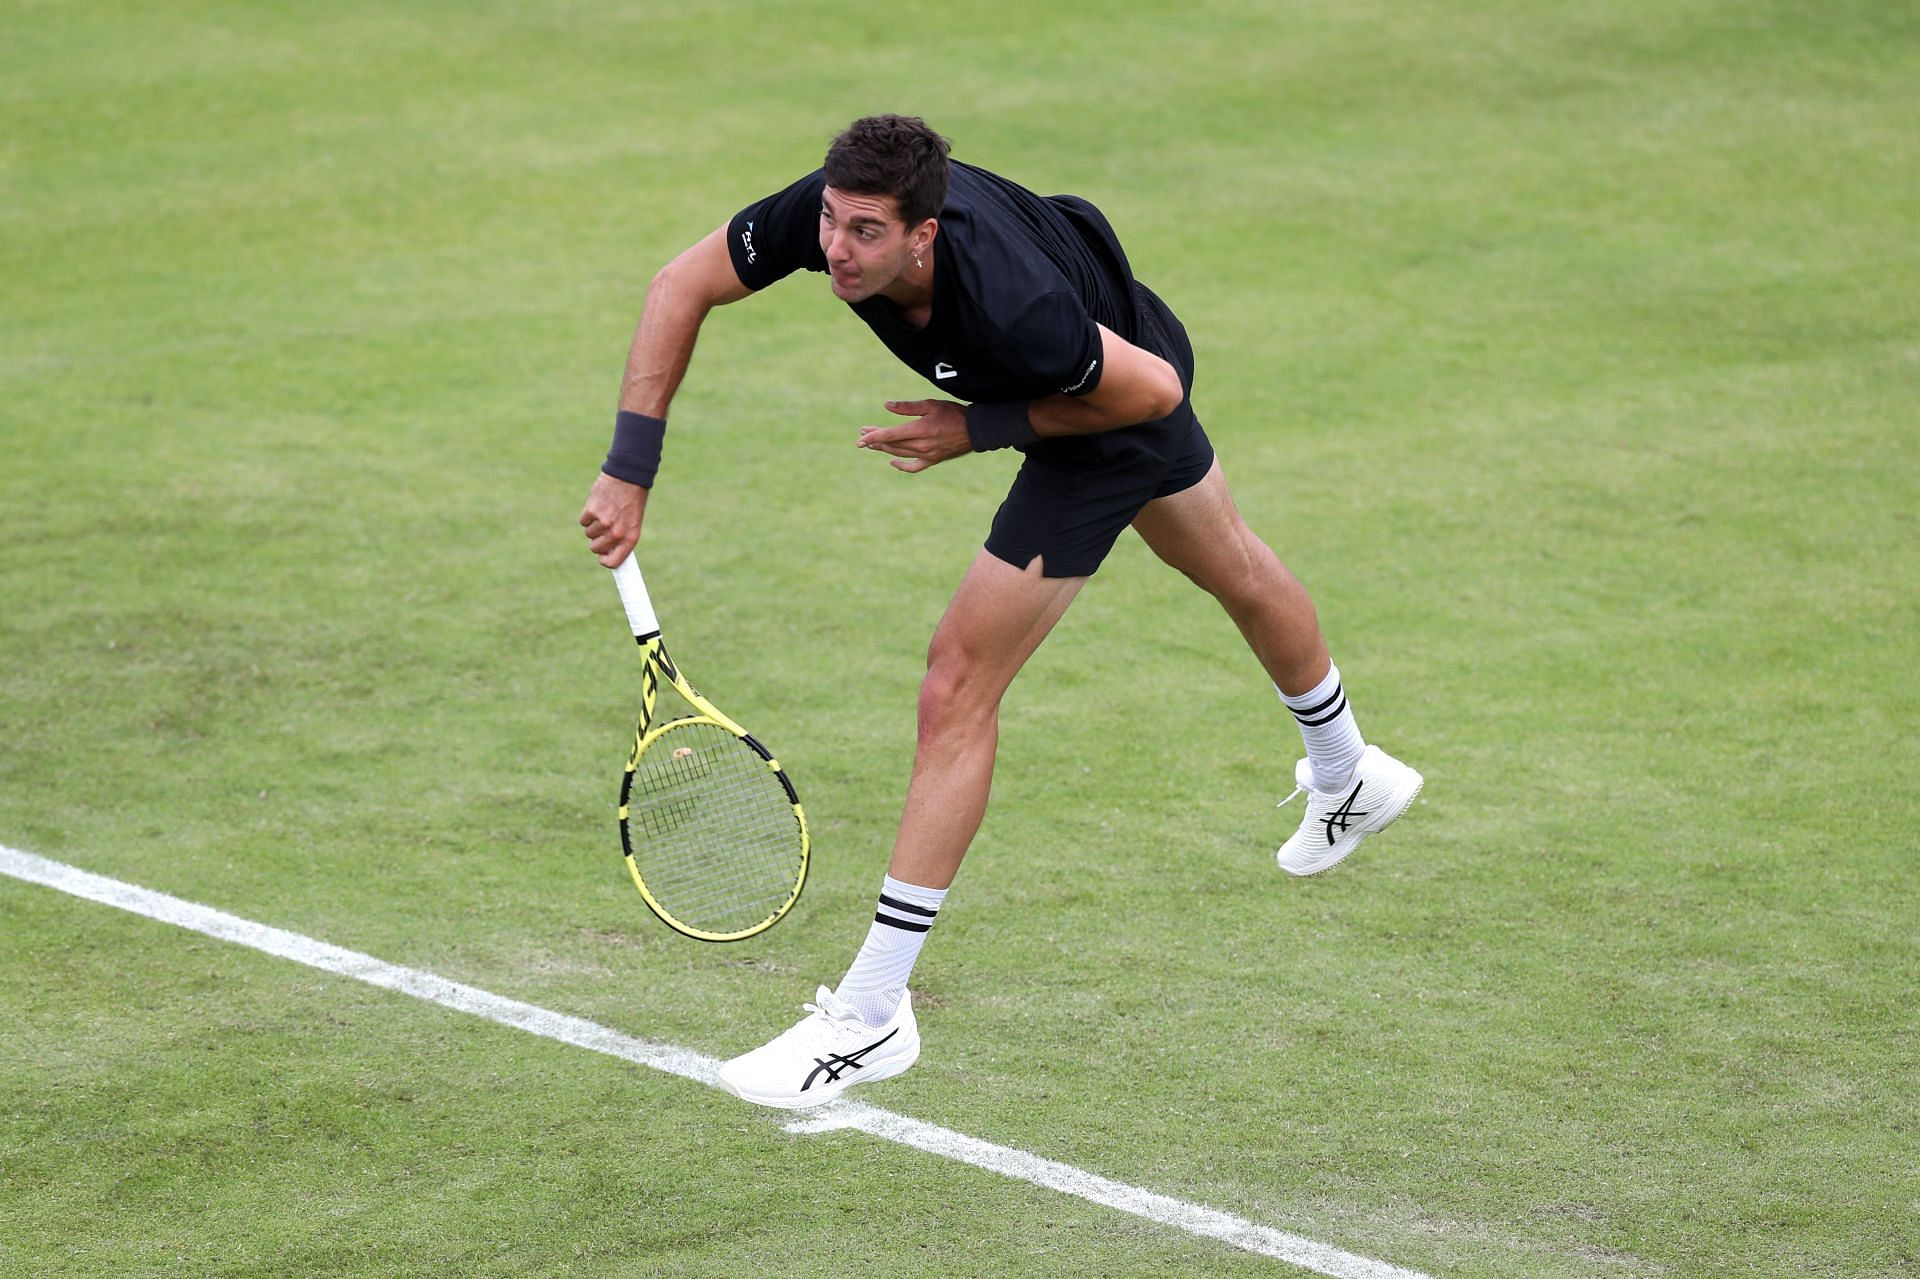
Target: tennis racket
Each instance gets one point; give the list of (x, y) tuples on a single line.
[(714, 835)]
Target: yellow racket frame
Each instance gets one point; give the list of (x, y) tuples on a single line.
[(658, 664)]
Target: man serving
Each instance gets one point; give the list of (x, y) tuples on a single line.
[(1026, 307)]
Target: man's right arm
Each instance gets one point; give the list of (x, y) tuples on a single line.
[(677, 303)]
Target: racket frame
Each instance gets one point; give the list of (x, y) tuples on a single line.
[(658, 664)]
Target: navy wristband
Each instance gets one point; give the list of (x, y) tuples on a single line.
[(635, 455), (999, 424)]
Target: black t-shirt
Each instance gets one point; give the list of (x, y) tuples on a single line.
[(1020, 282)]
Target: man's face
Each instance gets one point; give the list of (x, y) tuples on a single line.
[(868, 246)]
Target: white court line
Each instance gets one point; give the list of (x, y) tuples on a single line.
[(1192, 1218)]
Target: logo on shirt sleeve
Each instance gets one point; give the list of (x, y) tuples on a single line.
[(942, 371), (1069, 390), (746, 242)]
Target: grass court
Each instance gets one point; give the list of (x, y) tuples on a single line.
[(1569, 354)]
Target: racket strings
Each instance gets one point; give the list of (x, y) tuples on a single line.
[(714, 836)]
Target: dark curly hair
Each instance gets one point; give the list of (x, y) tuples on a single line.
[(896, 155)]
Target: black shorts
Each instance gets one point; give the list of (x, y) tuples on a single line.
[(1075, 493)]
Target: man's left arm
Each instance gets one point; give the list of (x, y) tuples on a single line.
[(1135, 386)]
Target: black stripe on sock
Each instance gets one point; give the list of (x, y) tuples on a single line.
[(903, 925), (1301, 712), (1310, 723), (909, 907)]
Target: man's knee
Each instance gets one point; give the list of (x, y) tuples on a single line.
[(957, 693), (1241, 571)]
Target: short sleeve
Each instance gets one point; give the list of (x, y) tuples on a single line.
[(772, 238), (1057, 344)]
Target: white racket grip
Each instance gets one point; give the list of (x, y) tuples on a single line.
[(633, 594)]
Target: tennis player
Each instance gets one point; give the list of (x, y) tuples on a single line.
[(1025, 308)]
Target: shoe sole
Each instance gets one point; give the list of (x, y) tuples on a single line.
[(830, 1091), (1384, 820)]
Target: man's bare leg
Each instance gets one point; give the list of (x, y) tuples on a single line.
[(997, 618), (1352, 789), (1199, 531), (995, 622), (866, 1029)]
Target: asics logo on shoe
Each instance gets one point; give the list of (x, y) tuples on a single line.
[(1342, 817), (834, 1063)]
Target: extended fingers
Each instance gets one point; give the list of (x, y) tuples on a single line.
[(901, 441), (924, 442)]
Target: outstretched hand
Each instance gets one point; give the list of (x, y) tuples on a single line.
[(938, 432), (612, 518)]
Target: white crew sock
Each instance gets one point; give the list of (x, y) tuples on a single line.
[(879, 974), (1334, 744)]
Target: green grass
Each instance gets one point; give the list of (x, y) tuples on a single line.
[(1569, 355)]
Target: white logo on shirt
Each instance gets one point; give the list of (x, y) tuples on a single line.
[(746, 239), (1069, 390), (942, 371)]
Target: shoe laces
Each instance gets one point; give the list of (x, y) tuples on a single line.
[(832, 1009), (1302, 783)]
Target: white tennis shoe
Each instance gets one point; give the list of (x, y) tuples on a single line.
[(826, 1054), (1380, 790)]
